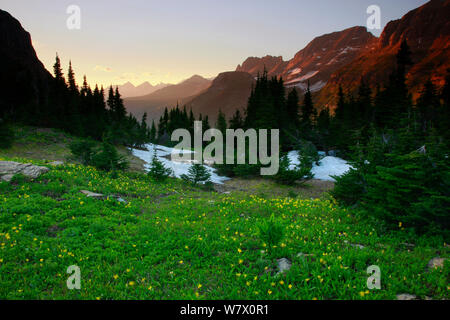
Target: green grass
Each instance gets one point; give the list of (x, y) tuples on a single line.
[(171, 241)]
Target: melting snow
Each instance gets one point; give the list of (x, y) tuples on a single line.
[(179, 168), (303, 78), (328, 166), (295, 71)]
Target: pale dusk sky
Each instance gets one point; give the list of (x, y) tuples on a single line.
[(171, 40)]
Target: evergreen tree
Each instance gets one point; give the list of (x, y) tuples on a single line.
[(205, 124), (197, 174), (307, 116), (119, 108), (292, 108), (236, 122), (221, 124), (71, 83), (57, 70), (111, 101), (157, 169), (153, 132)]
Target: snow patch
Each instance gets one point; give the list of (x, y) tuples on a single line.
[(179, 168), (328, 166), (295, 71), (303, 78)]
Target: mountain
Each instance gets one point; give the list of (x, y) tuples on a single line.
[(427, 32), (23, 78), (169, 96), (228, 92), (273, 65), (128, 90), (325, 55), (317, 61)]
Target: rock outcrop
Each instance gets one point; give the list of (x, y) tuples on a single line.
[(23, 78), (9, 168)]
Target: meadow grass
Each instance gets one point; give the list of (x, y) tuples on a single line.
[(173, 241)]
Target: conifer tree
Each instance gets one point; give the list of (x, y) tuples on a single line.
[(153, 132), (119, 108), (71, 83), (57, 70), (197, 174), (307, 116), (111, 101), (221, 124), (293, 108)]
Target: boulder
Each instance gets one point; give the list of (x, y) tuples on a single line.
[(283, 265), (406, 296), (436, 263), (7, 177), (94, 195), (9, 168), (99, 196)]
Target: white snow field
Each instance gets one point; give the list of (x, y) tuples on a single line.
[(328, 166), (179, 168)]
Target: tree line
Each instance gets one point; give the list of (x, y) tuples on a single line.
[(82, 111)]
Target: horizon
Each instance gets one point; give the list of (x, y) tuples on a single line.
[(123, 56)]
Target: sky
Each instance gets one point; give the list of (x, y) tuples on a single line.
[(171, 40)]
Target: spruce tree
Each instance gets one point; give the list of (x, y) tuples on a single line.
[(71, 82), (153, 132), (157, 169), (292, 108), (307, 116), (236, 122), (119, 108), (197, 174), (221, 124)]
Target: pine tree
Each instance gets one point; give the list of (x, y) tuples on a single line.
[(428, 107), (307, 116), (57, 70), (157, 169), (71, 83), (197, 174), (111, 101), (292, 108), (119, 108), (153, 132), (221, 124), (205, 124), (236, 122)]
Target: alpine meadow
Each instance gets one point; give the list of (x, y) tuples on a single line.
[(139, 163)]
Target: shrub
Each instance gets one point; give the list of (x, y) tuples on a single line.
[(109, 159), (413, 190), (349, 188), (286, 175), (83, 150), (271, 232), (197, 174), (157, 169)]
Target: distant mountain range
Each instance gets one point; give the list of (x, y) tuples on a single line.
[(339, 58), (128, 90), (169, 96), (344, 58)]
